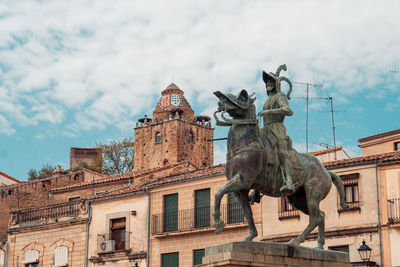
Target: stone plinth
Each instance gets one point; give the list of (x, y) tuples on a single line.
[(238, 254)]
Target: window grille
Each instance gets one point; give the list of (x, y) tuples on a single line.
[(350, 183)]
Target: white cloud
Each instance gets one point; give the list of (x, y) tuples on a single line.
[(103, 61), (5, 127)]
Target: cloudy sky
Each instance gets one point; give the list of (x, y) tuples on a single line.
[(73, 73)]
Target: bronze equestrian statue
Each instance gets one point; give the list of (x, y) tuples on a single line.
[(255, 161)]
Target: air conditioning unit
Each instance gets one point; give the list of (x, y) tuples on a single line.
[(106, 246)]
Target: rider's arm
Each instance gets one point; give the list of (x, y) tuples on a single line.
[(284, 108)]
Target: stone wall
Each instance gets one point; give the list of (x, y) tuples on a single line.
[(45, 239)]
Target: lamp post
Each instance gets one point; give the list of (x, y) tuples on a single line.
[(365, 253)]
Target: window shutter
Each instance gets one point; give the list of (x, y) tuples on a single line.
[(170, 260), (61, 256), (202, 208), (31, 256), (171, 212)]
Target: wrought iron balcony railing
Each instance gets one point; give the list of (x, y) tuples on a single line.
[(113, 242), (51, 212), (192, 219), (394, 210)]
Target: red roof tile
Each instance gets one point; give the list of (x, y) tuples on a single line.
[(181, 177), (9, 177), (117, 177), (382, 158), (326, 151), (371, 137)]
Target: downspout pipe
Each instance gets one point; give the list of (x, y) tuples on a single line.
[(379, 211), (87, 233), (148, 227)]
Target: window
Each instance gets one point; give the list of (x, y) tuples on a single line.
[(343, 248), (198, 256), (118, 232), (61, 256), (350, 182), (31, 258), (202, 208), (158, 138), (397, 146), (170, 260), (170, 212), (286, 210), (71, 199), (235, 210), (190, 137)]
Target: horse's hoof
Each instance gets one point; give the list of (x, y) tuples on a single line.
[(249, 238), (294, 241), (219, 227)]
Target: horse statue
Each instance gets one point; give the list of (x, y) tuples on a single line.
[(251, 164)]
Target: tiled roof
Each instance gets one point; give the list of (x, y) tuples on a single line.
[(382, 158), (181, 177), (9, 177), (116, 177), (368, 138), (326, 151)]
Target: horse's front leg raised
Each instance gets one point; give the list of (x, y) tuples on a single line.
[(233, 185)]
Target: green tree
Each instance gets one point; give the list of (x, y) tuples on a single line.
[(46, 169), (116, 157)]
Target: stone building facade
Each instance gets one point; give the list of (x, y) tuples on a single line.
[(372, 188), (161, 213), (173, 134)]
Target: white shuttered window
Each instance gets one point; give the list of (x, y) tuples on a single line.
[(31, 256), (61, 256)]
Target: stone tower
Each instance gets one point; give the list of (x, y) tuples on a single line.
[(173, 135)]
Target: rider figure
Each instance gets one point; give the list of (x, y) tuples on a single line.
[(275, 109)]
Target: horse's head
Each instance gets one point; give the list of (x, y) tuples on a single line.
[(237, 106)]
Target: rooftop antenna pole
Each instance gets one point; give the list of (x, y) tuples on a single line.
[(333, 119), (307, 99), (333, 126)]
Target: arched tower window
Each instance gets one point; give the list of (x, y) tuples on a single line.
[(158, 138), (190, 137)]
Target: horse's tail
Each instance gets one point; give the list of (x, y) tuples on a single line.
[(340, 188)]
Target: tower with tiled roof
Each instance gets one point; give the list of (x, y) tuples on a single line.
[(173, 135)]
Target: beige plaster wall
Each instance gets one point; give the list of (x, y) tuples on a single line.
[(186, 242), (354, 242), (395, 246), (367, 216), (105, 210), (340, 154), (381, 145)]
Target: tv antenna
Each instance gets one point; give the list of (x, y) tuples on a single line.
[(326, 146), (307, 98), (332, 111)]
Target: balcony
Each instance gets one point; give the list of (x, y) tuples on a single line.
[(194, 219), (117, 241), (51, 213), (394, 210)]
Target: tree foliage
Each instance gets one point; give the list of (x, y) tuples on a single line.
[(116, 157), (46, 169)]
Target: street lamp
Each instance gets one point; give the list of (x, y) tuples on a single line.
[(365, 252)]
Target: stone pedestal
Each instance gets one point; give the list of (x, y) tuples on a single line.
[(239, 254)]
